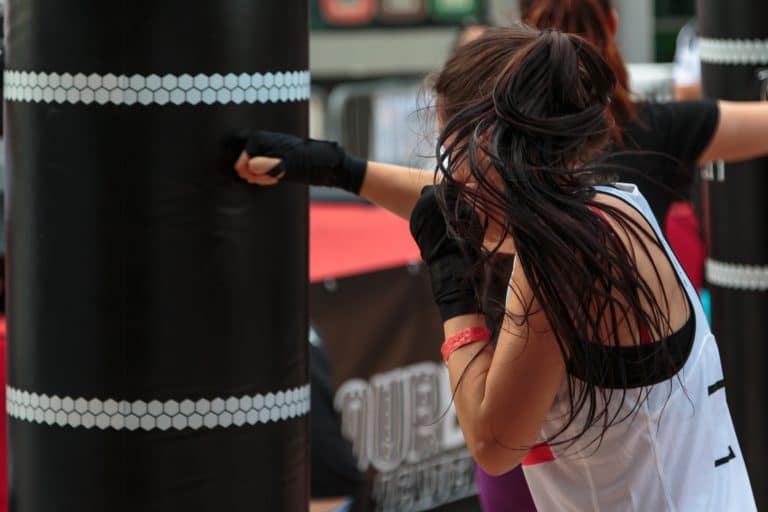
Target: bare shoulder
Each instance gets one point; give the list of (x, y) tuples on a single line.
[(617, 202), (628, 210), (651, 259)]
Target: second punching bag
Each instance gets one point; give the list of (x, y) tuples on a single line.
[(157, 307), (734, 49)]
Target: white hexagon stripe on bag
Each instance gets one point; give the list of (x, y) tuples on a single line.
[(156, 415), (172, 90), (737, 276), (733, 51)]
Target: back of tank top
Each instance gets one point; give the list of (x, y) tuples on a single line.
[(677, 452)]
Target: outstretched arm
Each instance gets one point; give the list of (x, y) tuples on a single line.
[(271, 157), (741, 132)]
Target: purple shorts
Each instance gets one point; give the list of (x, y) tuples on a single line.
[(505, 493)]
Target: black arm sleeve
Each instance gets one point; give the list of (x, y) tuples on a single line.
[(687, 127)]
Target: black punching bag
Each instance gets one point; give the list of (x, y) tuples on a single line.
[(734, 48), (157, 308)]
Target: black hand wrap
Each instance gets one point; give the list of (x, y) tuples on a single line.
[(308, 161), (451, 262)]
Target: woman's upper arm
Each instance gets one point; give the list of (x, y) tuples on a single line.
[(740, 132), (525, 375)]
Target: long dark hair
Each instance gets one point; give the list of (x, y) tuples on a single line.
[(525, 114), (592, 20)]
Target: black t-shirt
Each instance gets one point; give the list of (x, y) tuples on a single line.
[(678, 132)]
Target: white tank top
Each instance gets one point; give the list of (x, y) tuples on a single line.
[(679, 453)]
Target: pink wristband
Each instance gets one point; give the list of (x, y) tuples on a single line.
[(464, 337)]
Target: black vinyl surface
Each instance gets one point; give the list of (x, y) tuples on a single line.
[(738, 227), (142, 268)]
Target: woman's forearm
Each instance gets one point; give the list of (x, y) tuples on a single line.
[(741, 132), (394, 187), (468, 370), (503, 399)]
